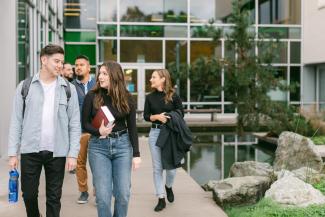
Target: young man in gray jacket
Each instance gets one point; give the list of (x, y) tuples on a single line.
[(45, 131)]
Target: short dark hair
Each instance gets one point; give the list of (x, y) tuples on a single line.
[(51, 49), (82, 57), (66, 63)]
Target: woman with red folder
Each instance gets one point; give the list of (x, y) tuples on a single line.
[(113, 148)]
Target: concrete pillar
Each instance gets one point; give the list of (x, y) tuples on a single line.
[(8, 64)]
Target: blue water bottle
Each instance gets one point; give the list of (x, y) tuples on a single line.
[(13, 186)]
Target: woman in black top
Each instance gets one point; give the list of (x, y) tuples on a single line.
[(163, 99), (114, 149)]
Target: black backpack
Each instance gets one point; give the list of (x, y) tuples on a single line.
[(26, 85)]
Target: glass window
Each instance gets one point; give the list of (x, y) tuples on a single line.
[(295, 52), (142, 31), (205, 77), (80, 36), (23, 40), (203, 31), (280, 73), (107, 10), (141, 51), (174, 47), (153, 11), (219, 10), (295, 82), (204, 48), (72, 51), (80, 14), (107, 30), (107, 50), (173, 50), (153, 31), (322, 89), (277, 50), (131, 79), (279, 12)]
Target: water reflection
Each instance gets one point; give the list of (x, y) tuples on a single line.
[(213, 154)]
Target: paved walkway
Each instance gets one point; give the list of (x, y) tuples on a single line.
[(190, 199)]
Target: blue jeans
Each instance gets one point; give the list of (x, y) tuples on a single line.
[(157, 165), (110, 161)]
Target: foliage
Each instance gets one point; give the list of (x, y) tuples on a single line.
[(320, 186), (319, 140), (267, 208)]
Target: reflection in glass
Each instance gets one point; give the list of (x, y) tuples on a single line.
[(23, 40), (80, 14), (295, 51), (279, 12), (280, 73), (322, 89), (131, 79), (295, 80), (107, 50), (107, 10), (279, 50), (153, 11), (219, 10), (107, 30), (141, 51), (204, 48)]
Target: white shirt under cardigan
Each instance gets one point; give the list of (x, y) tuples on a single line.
[(47, 129)]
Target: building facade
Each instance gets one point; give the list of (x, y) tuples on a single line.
[(144, 35)]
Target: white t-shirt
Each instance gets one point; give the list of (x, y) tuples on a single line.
[(47, 129)]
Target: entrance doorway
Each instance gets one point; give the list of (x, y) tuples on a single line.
[(137, 78)]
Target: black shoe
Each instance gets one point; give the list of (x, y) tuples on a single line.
[(83, 198), (170, 194), (161, 204)]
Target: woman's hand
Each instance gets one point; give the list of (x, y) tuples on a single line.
[(160, 117), (136, 161), (105, 131)]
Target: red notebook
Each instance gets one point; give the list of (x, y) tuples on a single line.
[(105, 114)]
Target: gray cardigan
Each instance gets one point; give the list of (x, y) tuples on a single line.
[(25, 134)]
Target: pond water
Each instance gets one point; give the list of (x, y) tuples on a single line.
[(213, 154)]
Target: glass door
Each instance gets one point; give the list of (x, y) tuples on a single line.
[(137, 78)]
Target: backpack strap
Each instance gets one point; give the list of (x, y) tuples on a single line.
[(24, 91), (67, 90), (26, 86)]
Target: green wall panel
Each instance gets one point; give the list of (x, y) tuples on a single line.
[(72, 51)]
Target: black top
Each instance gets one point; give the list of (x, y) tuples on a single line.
[(155, 104), (122, 121)]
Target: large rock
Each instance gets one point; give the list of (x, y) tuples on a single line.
[(240, 190), (305, 174), (292, 191), (295, 151), (250, 168)]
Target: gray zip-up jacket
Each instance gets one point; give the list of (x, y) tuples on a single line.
[(25, 133)]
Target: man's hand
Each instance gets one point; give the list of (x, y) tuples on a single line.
[(71, 163), (136, 161), (13, 162)]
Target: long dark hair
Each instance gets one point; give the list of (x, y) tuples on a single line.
[(117, 88)]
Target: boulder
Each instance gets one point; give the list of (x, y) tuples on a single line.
[(295, 151), (210, 185), (250, 168), (240, 190), (292, 191)]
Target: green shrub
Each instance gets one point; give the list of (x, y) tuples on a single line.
[(267, 208), (319, 140)]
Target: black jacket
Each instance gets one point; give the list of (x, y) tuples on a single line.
[(175, 139)]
